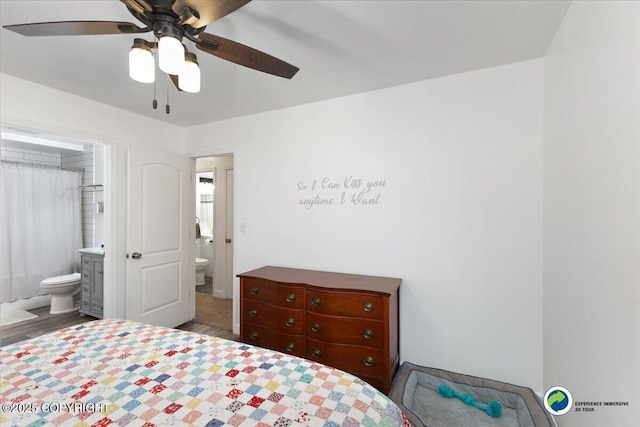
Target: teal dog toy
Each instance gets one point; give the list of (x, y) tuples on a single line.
[(494, 408)]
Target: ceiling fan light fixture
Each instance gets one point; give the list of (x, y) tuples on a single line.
[(142, 66), (170, 54), (189, 77), (170, 21)]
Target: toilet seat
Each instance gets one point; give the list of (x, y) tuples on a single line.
[(53, 282), (200, 262)]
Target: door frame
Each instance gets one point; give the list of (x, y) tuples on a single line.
[(216, 152)]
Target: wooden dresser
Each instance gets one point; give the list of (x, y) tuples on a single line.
[(347, 321)]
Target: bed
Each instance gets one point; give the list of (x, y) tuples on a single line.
[(127, 373)]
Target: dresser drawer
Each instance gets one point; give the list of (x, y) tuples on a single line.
[(353, 359), (264, 337), (345, 330), (345, 304), (284, 296), (285, 320)]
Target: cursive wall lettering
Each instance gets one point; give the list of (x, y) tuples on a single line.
[(349, 191)]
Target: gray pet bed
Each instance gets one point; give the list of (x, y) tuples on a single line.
[(414, 389)]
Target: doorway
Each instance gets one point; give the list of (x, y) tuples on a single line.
[(55, 185), (214, 197)]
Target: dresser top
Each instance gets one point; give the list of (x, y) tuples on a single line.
[(388, 285)]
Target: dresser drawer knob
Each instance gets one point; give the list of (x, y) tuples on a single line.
[(253, 291), (368, 361), (253, 335), (315, 353), (315, 301), (315, 327), (253, 313), (290, 322), (291, 347), (368, 307), (291, 298), (367, 333)]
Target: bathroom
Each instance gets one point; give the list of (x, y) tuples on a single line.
[(52, 206)]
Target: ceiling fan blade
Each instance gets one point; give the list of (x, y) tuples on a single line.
[(245, 55), (76, 28), (208, 10), (140, 6)]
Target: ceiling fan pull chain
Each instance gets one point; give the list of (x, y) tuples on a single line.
[(155, 101), (167, 108)]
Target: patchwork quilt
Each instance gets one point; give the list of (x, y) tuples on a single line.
[(116, 372)]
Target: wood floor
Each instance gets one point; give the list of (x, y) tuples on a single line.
[(46, 323)]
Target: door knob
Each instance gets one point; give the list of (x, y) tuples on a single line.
[(228, 240), (136, 255)]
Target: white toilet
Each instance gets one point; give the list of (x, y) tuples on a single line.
[(62, 290), (201, 267)]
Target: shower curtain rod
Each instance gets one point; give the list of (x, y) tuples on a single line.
[(44, 166)]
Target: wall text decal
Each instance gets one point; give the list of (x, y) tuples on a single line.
[(350, 191)]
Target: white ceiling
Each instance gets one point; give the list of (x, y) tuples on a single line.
[(341, 48)]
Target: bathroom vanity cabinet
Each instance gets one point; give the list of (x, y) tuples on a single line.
[(92, 283)]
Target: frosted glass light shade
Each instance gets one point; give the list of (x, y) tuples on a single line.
[(142, 67), (170, 55), (189, 77)]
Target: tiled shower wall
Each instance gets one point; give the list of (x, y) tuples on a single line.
[(77, 160), (32, 156), (84, 160)]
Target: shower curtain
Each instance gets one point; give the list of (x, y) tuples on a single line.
[(40, 225)]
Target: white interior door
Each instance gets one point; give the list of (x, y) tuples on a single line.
[(159, 265), (223, 226)]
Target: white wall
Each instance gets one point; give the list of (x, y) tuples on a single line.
[(30, 105), (459, 220), (592, 211)]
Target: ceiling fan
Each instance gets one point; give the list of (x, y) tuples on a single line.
[(170, 21)]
